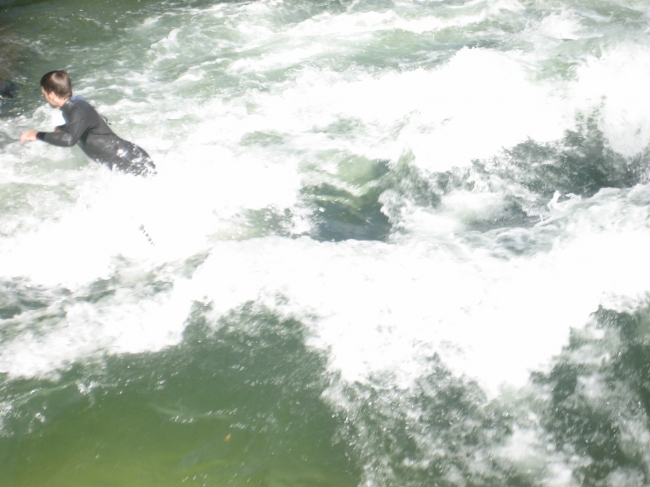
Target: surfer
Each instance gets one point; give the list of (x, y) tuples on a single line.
[(83, 125)]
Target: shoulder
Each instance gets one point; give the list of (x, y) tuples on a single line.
[(77, 104), (77, 101)]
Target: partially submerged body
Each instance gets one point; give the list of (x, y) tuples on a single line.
[(84, 126)]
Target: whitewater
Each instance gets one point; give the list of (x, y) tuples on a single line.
[(389, 244)]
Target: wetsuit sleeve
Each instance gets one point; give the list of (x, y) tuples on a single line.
[(69, 133)]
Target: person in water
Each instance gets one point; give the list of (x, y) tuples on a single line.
[(84, 126)]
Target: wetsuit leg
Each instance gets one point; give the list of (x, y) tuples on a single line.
[(119, 154), (135, 160)]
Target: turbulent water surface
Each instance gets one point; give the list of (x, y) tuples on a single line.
[(390, 244)]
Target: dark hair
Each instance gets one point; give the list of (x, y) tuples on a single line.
[(57, 82)]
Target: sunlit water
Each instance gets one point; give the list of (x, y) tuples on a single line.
[(389, 244)]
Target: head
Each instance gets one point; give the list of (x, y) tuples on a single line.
[(57, 87)]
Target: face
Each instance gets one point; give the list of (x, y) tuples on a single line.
[(54, 100)]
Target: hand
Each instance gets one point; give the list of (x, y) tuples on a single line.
[(29, 136)]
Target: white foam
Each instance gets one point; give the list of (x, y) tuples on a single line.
[(564, 25), (617, 83), (385, 308), (123, 324), (470, 108)]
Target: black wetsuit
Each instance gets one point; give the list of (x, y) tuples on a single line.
[(83, 125)]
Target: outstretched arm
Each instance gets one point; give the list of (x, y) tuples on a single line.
[(64, 135), (32, 135)]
